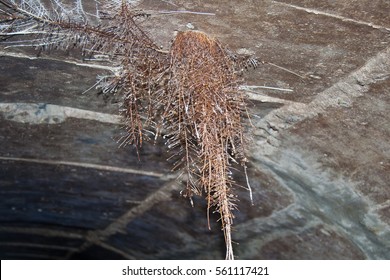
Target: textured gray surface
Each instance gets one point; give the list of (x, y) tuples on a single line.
[(320, 159)]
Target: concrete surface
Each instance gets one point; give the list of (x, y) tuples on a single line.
[(320, 154)]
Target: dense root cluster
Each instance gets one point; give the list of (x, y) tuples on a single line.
[(204, 119)]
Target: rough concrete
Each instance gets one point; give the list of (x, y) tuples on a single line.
[(320, 159)]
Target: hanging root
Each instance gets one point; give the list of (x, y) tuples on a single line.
[(204, 116)]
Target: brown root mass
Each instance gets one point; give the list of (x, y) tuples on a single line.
[(204, 119)]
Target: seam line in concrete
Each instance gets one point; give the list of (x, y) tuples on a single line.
[(119, 225), (89, 65), (350, 87), (89, 165), (345, 19), (41, 231), (51, 110)]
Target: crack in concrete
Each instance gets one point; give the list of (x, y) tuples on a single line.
[(47, 232), (119, 225), (342, 18), (338, 95), (115, 250), (161, 176), (257, 96), (37, 113), (88, 65), (35, 245), (97, 237)]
